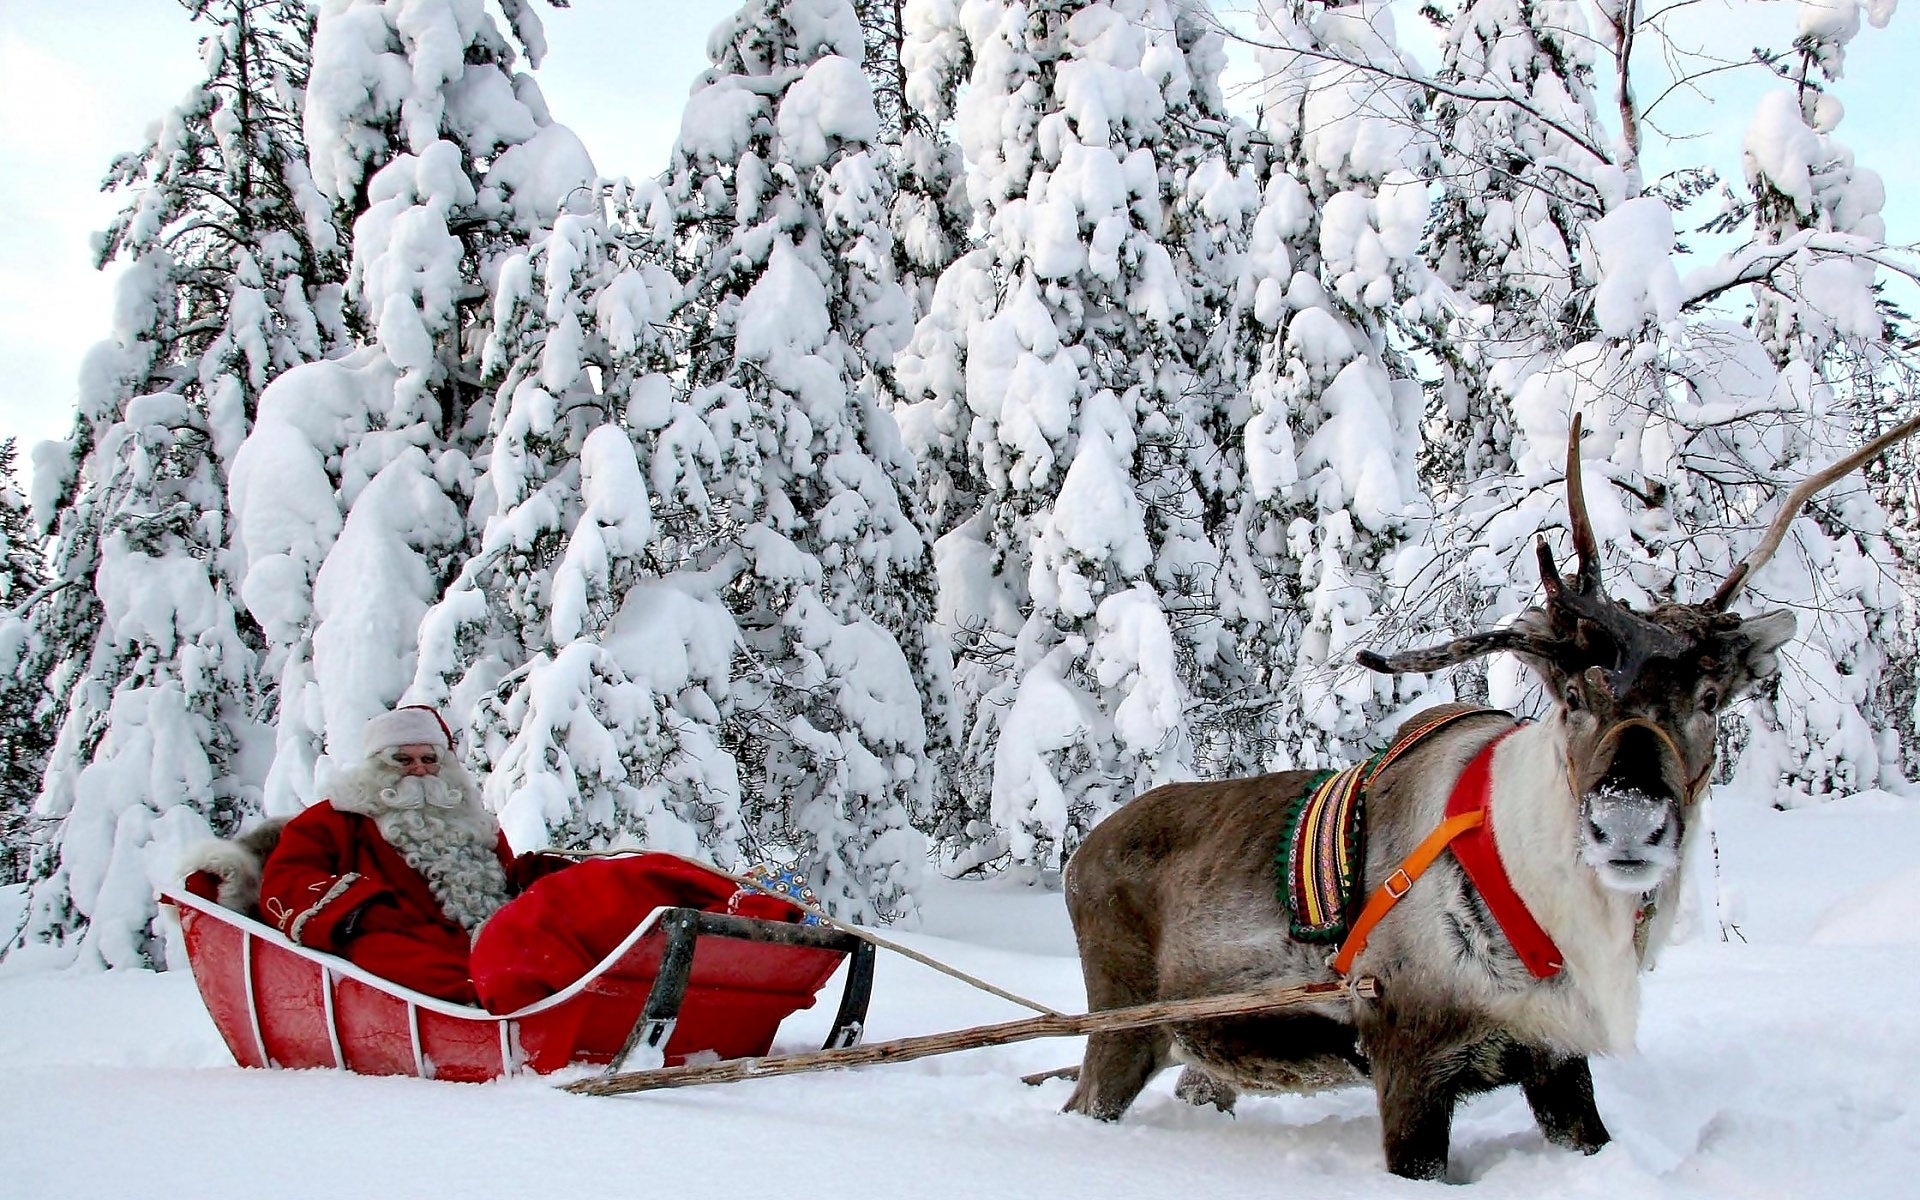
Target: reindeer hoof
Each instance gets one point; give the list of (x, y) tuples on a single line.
[(1200, 1089)]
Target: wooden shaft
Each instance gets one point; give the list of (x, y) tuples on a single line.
[(902, 1049)]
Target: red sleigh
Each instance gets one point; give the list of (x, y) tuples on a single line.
[(683, 983)]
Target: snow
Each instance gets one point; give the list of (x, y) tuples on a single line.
[(716, 123), (1712, 1106), (1782, 150), (831, 103), (1174, 460), (371, 593), (1632, 249), (540, 176)]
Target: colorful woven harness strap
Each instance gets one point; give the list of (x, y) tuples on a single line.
[(1321, 854), (1468, 831)]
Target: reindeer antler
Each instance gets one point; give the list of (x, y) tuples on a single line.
[(1587, 573), (1797, 500), (1453, 653), (1578, 609), (1586, 548)]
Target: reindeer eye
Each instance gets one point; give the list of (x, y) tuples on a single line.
[(1710, 700), (1572, 696)]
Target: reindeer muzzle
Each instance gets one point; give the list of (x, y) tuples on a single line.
[(1631, 819)]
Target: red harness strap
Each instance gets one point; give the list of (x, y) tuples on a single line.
[(1468, 829)]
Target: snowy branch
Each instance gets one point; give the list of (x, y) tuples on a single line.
[(1439, 86), (1752, 264)]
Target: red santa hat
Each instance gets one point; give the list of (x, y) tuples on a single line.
[(408, 725)]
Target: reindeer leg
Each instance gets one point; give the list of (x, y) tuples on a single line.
[(1117, 1066), (1561, 1097), (1118, 961), (1417, 1062), (1416, 1117)]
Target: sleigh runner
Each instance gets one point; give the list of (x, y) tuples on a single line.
[(684, 984)]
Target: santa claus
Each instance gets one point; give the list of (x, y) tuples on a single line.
[(402, 865)]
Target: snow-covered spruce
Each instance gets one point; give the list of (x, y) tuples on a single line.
[(1333, 506), (1065, 401), (1701, 407), (585, 647), (839, 678), (28, 721), (232, 281), (353, 492)]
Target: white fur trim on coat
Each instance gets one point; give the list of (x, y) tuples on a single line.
[(339, 889)]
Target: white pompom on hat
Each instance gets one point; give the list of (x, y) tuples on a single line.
[(411, 725)]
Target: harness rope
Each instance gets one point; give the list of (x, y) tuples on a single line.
[(863, 934)]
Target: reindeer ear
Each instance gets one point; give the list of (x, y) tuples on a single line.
[(1758, 640), (1533, 622)]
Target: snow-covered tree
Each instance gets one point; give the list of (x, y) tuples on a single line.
[(930, 214), (231, 280), (1562, 257), (582, 645), (1524, 165), (794, 312), (1061, 408), (1812, 226), (1333, 498), (1526, 169), (353, 492), (26, 719)]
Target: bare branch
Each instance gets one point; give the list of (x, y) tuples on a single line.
[(1440, 86), (1797, 500), (1752, 264)]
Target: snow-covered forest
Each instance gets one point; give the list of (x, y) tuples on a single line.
[(994, 409)]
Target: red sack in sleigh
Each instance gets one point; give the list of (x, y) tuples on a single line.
[(564, 924)]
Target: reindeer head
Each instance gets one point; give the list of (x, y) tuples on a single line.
[(1638, 692), (1640, 700)]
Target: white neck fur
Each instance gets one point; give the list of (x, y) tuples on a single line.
[(1535, 819)]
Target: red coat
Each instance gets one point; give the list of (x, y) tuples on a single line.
[(330, 864)]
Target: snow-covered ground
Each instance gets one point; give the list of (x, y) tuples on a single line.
[(1787, 1065)]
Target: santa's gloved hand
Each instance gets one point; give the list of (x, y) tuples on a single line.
[(379, 915)]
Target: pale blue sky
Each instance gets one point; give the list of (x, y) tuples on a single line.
[(80, 80)]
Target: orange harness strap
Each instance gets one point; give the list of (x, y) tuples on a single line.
[(1397, 884)]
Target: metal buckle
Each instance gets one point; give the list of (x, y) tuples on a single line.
[(1402, 879)]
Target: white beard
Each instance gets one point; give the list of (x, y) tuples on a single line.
[(437, 824)]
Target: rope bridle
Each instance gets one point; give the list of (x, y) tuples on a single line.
[(1612, 734)]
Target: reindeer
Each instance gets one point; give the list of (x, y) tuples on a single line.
[(1174, 895)]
